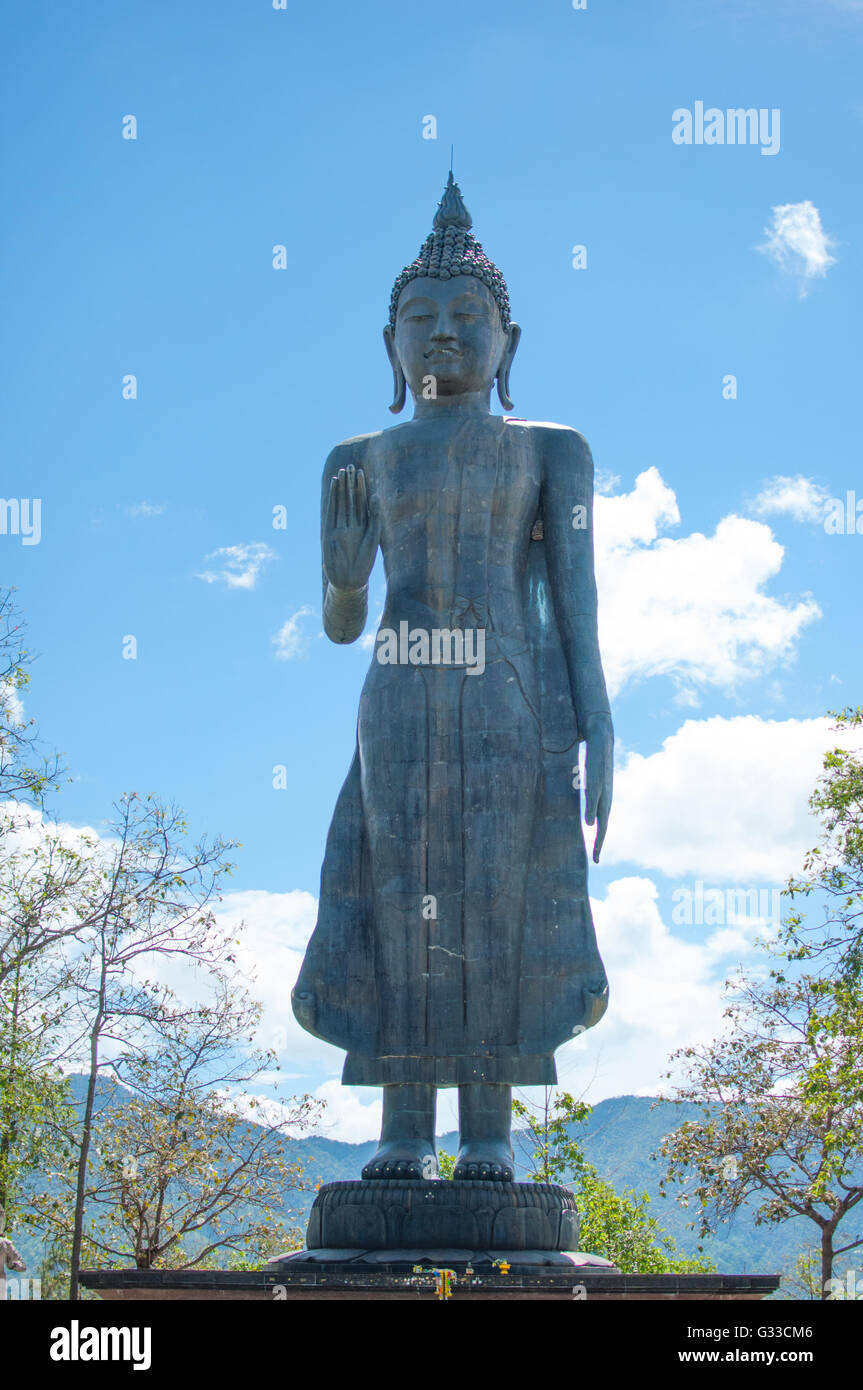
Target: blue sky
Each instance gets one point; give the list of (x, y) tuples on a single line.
[(304, 128)]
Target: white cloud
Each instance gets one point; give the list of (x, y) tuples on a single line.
[(664, 993), (346, 1117), (725, 800), (605, 482), (798, 497), (277, 920), (662, 984), (271, 949), (146, 509), (630, 517), (797, 242), (291, 641), (239, 565), (692, 608)]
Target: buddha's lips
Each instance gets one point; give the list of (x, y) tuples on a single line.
[(443, 352)]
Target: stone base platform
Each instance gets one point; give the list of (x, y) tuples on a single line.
[(415, 1275), (433, 1240), (390, 1214)]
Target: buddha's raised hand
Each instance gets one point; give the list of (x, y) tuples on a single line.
[(351, 531)]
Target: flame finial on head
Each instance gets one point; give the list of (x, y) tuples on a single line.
[(452, 249), (451, 210)]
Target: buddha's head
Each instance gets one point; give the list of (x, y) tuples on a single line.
[(449, 332)]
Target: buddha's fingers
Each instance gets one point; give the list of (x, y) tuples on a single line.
[(362, 504), (343, 499), (372, 515), (601, 822), (351, 495), (594, 786), (332, 506), (597, 844)]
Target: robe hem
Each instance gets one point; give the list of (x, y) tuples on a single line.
[(539, 1070)]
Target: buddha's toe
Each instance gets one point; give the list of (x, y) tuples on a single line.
[(386, 1166), (483, 1163), (468, 1172), (376, 1168)]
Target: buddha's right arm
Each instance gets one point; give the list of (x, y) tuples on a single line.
[(344, 610)]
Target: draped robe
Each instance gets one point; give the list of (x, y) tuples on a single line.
[(454, 940)]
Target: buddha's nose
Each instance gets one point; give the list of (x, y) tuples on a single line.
[(444, 329)]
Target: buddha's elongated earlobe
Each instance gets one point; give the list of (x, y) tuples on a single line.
[(399, 383), (513, 336), (399, 391)]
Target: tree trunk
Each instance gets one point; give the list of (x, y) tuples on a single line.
[(10, 1127), (826, 1260), (83, 1155)]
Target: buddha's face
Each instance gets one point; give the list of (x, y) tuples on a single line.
[(449, 330)]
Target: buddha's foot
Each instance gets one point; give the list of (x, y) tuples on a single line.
[(484, 1161), (405, 1158)]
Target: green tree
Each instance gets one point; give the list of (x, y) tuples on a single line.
[(781, 1095), (833, 869), (35, 1106), (616, 1226)]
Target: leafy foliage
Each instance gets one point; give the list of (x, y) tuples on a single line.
[(446, 1164), (616, 1226), (833, 869)]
